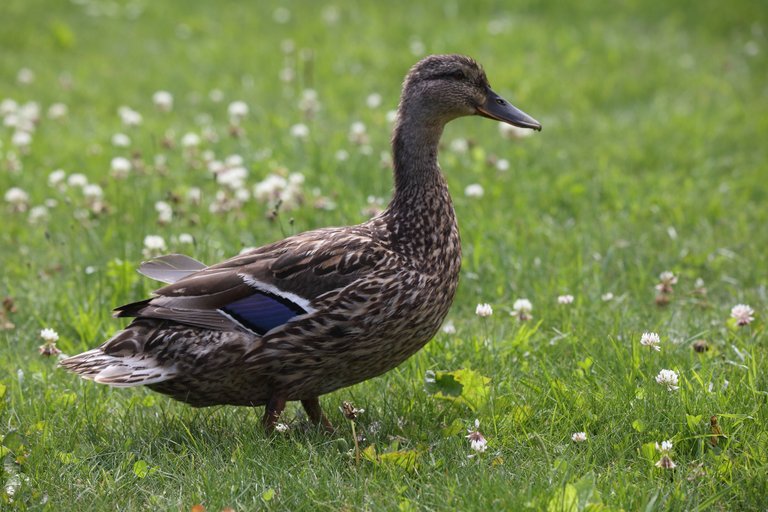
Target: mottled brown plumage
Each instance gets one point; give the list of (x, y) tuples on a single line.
[(320, 310)]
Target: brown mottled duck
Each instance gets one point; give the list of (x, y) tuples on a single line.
[(319, 310)]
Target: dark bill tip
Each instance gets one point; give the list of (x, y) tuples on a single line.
[(500, 109)]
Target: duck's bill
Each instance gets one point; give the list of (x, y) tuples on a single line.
[(500, 109)]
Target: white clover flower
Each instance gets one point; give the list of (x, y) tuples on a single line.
[(186, 238), (522, 309), (373, 100), (342, 155), (58, 111), (20, 123), (502, 164), (565, 299), (21, 139), (164, 212), (237, 110), (751, 48), (391, 116), (49, 335), (190, 140), (651, 339), (216, 166), (12, 162), (120, 167), (242, 195), (269, 188), (331, 14), (287, 74), (483, 310), (668, 277), (77, 180), (129, 117), (121, 140), (17, 198), (579, 437), (194, 195), (216, 95), (38, 213), (417, 48), (92, 192), (742, 313), (25, 76), (668, 378), (474, 190), (309, 103), (292, 195), (93, 197), (664, 447), (385, 160), (281, 428), (233, 178), (8, 106), (375, 206), (296, 178), (357, 134), (11, 120), (154, 245), (449, 328), (287, 46), (281, 15), (163, 101), (29, 114), (476, 440), (234, 160), (606, 297), (513, 132), (300, 131), (459, 145), (497, 26)]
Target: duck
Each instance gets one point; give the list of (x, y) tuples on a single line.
[(320, 310)]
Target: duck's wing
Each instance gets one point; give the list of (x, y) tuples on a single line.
[(261, 289)]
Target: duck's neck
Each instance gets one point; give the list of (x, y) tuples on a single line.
[(421, 221), (414, 151)]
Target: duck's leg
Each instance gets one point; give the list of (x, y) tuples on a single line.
[(272, 412), (315, 413)]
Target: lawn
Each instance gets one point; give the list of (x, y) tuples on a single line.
[(653, 160)]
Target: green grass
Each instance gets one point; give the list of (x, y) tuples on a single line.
[(652, 158)]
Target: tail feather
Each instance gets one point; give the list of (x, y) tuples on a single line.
[(118, 371)]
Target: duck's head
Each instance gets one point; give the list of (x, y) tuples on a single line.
[(444, 87)]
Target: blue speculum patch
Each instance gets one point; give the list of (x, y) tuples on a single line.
[(262, 311)]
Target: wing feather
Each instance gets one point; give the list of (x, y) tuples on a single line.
[(170, 268)]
